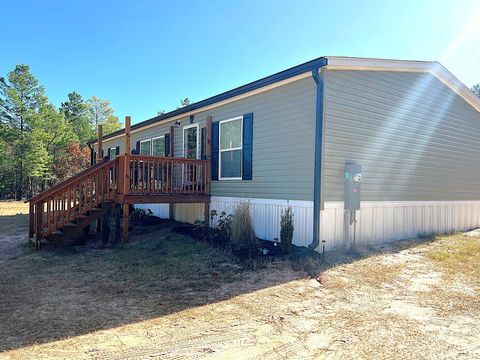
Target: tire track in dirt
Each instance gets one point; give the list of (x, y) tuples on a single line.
[(290, 350), (190, 347)]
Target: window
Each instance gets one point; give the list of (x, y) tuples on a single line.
[(112, 152), (190, 142), (230, 134), (145, 147), (158, 146)]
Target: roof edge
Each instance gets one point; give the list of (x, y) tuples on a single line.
[(257, 84), (433, 67)]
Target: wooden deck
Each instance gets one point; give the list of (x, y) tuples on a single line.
[(127, 179)]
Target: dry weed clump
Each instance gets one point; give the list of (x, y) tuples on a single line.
[(243, 233)]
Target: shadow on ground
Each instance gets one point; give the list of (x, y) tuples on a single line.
[(65, 292)]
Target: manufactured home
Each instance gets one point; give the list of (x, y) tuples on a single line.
[(363, 150)]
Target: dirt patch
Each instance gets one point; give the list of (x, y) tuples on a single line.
[(166, 296)]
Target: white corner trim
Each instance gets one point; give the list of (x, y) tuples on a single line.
[(433, 67)]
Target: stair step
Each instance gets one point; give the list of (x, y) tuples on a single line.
[(70, 225), (56, 238)]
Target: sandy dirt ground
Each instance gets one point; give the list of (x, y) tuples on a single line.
[(413, 299)]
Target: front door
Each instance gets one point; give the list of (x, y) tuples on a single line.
[(190, 141), (190, 151)]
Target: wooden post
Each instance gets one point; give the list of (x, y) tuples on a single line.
[(125, 222), (38, 225), (172, 154), (117, 223), (126, 178), (99, 150), (172, 141), (207, 214), (31, 220), (99, 158)]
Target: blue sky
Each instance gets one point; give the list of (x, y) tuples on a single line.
[(145, 56)]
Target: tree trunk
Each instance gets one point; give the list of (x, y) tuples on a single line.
[(20, 175)]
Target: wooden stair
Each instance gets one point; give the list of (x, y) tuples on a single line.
[(68, 209), (77, 229)]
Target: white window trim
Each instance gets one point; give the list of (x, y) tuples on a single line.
[(114, 152), (237, 148), (140, 148), (198, 138), (155, 138)]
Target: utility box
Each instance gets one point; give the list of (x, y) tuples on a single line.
[(353, 180)]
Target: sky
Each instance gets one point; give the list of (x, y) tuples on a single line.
[(144, 56)]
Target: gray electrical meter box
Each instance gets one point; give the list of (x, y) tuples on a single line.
[(353, 180)]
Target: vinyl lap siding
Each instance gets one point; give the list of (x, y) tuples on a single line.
[(283, 142), (146, 134), (415, 138)]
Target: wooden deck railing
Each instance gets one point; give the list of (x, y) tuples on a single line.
[(145, 175), (74, 197), (151, 175)]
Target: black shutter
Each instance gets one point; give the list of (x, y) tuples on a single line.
[(215, 149), (247, 156), (203, 154), (103, 154), (94, 160), (117, 150), (167, 145), (137, 148), (109, 155)]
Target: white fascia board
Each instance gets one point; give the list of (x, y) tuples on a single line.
[(433, 67)]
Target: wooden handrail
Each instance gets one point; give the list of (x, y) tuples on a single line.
[(124, 177), (67, 182)]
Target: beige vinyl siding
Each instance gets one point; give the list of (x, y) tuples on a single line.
[(283, 142), (415, 138), (147, 134)]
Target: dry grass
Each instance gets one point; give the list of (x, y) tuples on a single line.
[(363, 274), (167, 296), (459, 254), (8, 208)]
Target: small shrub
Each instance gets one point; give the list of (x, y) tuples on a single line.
[(220, 234), (286, 230), (224, 225), (243, 235), (139, 216)]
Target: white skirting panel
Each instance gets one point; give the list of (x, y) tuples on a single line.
[(384, 221), (266, 216), (160, 210), (377, 221)]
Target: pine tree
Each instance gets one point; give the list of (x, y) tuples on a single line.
[(476, 89), (100, 112), (20, 98), (75, 110), (111, 125)]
